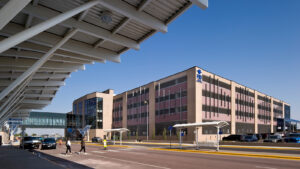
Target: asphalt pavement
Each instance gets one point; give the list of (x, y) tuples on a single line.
[(142, 157)]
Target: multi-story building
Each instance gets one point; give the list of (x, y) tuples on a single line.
[(93, 109), (195, 95)]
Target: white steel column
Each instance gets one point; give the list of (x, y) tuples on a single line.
[(218, 140), (16, 94), (28, 33), (10, 10), (36, 65), (121, 133)]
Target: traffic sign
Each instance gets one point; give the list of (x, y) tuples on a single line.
[(170, 127)]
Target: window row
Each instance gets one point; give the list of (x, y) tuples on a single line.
[(118, 109), (221, 97), (244, 91), (118, 99), (135, 105), (266, 108), (171, 96), (276, 111), (277, 103), (241, 114), (115, 119), (216, 109), (265, 99), (171, 83), (171, 110), (245, 103), (136, 116), (264, 117), (138, 93), (216, 82)]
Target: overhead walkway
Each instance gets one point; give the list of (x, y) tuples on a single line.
[(44, 41)]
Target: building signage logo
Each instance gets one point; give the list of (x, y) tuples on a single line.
[(199, 76)]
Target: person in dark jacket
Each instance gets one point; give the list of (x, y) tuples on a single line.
[(82, 143), (68, 145)]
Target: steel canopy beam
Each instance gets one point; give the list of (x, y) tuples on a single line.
[(36, 83), (38, 55), (49, 39), (21, 62), (36, 75), (46, 13), (10, 10), (31, 32), (203, 4), (131, 12), (35, 66)]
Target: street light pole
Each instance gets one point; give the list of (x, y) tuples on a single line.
[(146, 102)]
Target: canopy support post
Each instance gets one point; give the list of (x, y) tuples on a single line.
[(180, 139), (114, 138), (218, 142), (197, 148), (121, 137)]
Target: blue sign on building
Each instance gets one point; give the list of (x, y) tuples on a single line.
[(199, 75)]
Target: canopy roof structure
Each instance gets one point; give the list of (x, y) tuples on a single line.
[(43, 41), (218, 124), (116, 130)]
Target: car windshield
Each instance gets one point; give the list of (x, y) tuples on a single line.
[(248, 137), (30, 138), (294, 135), (49, 140)]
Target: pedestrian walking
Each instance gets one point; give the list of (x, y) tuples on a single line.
[(82, 143), (68, 144), (105, 143)]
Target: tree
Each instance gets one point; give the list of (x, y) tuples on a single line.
[(33, 134), (128, 135), (165, 134), (153, 133), (137, 134)]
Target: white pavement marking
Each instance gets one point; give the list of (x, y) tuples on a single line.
[(144, 164), (113, 151), (98, 152), (265, 167)]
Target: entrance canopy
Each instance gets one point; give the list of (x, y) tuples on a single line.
[(120, 130), (116, 130), (218, 124), (43, 41)]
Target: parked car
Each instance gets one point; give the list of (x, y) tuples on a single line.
[(233, 137), (48, 143), (249, 138), (273, 139), (293, 138), (96, 140), (0, 140), (30, 142)]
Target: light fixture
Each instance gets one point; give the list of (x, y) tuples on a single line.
[(106, 17)]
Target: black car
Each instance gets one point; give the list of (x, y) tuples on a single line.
[(48, 143), (96, 139), (30, 142), (249, 138), (233, 137)]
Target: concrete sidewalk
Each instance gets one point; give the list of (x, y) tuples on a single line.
[(15, 158)]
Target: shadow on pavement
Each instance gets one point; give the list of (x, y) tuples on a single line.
[(65, 163)]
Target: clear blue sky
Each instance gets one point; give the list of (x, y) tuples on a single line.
[(253, 42)]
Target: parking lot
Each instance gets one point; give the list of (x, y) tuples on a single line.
[(133, 156)]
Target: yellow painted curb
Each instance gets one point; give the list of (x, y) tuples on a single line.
[(232, 154), (266, 148)]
